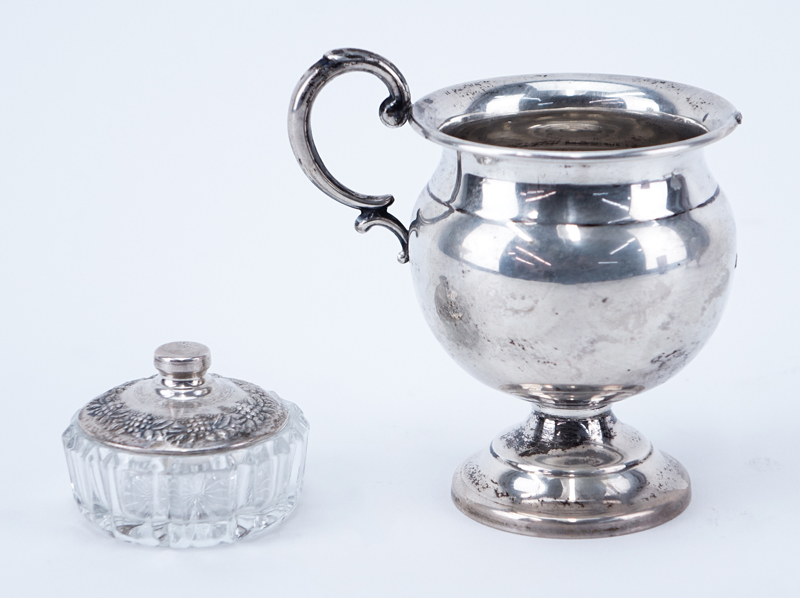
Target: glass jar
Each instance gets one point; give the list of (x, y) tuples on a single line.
[(185, 458)]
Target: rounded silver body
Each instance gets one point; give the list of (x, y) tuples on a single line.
[(566, 310), (572, 249)]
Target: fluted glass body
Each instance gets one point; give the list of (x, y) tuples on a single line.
[(188, 500)]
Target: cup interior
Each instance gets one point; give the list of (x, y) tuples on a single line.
[(576, 113), (571, 129)]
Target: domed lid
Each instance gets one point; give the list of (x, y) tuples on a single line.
[(182, 409)]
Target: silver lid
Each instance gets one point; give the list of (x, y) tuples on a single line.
[(183, 409)]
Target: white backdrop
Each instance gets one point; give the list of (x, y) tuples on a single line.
[(149, 194)]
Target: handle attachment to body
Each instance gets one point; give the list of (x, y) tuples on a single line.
[(393, 112)]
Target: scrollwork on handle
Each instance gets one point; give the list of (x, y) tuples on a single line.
[(393, 112)]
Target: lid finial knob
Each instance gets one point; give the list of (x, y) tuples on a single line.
[(182, 363)]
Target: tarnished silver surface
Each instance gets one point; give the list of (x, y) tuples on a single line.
[(571, 477), (572, 249), (393, 112), (183, 410)]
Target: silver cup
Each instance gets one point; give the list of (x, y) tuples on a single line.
[(572, 249)]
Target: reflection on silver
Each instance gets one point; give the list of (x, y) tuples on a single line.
[(572, 249)]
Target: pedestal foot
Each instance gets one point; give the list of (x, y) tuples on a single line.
[(571, 477)]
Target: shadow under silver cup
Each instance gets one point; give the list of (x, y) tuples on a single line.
[(572, 249)]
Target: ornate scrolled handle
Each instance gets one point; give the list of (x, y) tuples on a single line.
[(393, 112)]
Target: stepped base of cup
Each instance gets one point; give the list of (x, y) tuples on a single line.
[(561, 476)]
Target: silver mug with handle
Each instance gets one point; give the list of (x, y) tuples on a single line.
[(572, 249)]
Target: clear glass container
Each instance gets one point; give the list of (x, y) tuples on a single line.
[(185, 458)]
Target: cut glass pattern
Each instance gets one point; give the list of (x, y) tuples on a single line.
[(190, 500)]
